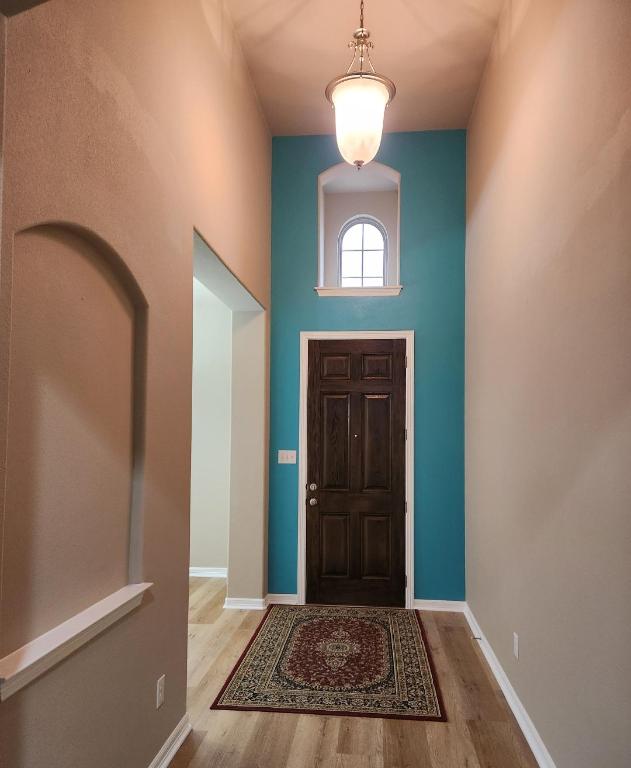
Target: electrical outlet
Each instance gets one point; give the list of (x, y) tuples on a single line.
[(515, 645), (160, 691)]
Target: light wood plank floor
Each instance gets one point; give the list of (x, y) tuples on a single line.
[(481, 732)]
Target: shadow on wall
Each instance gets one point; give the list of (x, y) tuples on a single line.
[(516, 68)]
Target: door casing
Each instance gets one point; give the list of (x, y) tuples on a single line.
[(305, 337)]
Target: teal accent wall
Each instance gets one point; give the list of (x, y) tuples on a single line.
[(432, 247)]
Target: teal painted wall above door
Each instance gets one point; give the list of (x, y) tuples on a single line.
[(432, 244)]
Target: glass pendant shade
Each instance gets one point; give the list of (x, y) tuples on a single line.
[(360, 103), (360, 98)]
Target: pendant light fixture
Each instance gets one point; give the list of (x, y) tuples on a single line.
[(360, 98)]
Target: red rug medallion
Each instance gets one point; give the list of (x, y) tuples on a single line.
[(369, 662)]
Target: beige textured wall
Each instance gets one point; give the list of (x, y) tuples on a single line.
[(137, 121), (548, 385), (211, 428)]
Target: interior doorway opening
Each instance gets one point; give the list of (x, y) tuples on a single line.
[(228, 435)]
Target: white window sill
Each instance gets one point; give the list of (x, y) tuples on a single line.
[(382, 290), (33, 659)]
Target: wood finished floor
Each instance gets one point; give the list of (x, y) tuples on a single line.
[(481, 732)]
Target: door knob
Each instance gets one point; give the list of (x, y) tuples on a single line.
[(313, 487), (312, 502)]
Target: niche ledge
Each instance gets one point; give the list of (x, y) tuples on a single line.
[(382, 290), (33, 659)]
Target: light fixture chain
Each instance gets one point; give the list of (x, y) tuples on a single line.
[(361, 14)]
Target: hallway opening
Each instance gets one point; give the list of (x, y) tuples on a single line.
[(228, 472)]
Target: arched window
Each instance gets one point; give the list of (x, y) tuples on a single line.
[(363, 250)]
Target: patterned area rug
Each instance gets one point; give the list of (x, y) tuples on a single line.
[(367, 662)]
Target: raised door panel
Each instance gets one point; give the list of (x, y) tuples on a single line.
[(375, 547), (377, 442), (335, 436), (335, 367), (334, 546), (377, 367)]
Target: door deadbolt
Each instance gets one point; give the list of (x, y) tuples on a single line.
[(313, 487)]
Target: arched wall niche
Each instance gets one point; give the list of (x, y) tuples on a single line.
[(108, 254), (75, 429), (345, 193)]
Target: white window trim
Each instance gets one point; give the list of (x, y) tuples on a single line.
[(377, 290), (305, 336), (363, 218)]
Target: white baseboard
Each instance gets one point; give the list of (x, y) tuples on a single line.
[(535, 742), (208, 573), (282, 599), (172, 744), (440, 605), (245, 603)]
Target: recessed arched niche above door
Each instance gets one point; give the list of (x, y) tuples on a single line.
[(74, 448), (358, 231)]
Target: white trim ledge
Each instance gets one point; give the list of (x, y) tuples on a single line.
[(459, 606), (33, 659), (379, 290), (535, 742), (172, 744), (245, 603), (208, 573), (281, 599)]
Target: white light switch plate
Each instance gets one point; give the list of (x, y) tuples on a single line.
[(287, 457)]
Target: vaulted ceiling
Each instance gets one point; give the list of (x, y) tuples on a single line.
[(434, 50)]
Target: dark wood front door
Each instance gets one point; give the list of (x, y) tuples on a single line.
[(356, 472)]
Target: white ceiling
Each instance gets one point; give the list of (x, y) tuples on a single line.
[(434, 50)]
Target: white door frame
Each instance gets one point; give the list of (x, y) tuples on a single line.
[(305, 337)]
